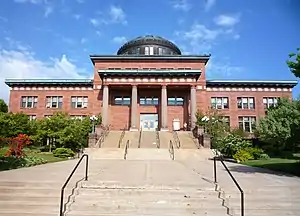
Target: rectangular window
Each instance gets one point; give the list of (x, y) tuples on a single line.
[(79, 101), (247, 123), (54, 101), (226, 120), (121, 100), (146, 50), (138, 50), (245, 103), (29, 101), (81, 117), (270, 102), (148, 101), (175, 101), (160, 51), (32, 117), (219, 103), (151, 50)]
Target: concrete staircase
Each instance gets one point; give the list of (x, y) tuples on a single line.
[(148, 154), (105, 153), (133, 137), (186, 140), (165, 137), (112, 139), (148, 139)]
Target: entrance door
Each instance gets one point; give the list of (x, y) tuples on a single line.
[(149, 122)]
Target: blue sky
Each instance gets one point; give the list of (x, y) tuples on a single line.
[(53, 38)]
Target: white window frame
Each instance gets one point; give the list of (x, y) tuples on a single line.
[(81, 117), (270, 102), (146, 50), (245, 103), (31, 117), (79, 102), (219, 102), (151, 50), (29, 101), (54, 102), (251, 120)]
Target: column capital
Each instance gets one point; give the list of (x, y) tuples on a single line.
[(134, 85), (193, 86), (163, 86)]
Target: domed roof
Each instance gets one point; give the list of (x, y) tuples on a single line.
[(158, 43)]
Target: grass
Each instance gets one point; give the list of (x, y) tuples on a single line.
[(13, 164), (285, 165)]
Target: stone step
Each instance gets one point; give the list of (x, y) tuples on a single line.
[(27, 214), (148, 139), (148, 154), (32, 198), (106, 153), (112, 139), (29, 211), (268, 212)]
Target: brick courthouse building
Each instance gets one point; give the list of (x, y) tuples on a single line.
[(149, 84)]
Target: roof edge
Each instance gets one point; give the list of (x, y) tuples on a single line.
[(291, 83), (13, 81)]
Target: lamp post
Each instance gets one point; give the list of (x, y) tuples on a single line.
[(93, 118)]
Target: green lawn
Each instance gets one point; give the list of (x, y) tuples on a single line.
[(286, 165)]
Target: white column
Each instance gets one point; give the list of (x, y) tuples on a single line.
[(134, 113), (164, 108), (193, 104), (105, 98)]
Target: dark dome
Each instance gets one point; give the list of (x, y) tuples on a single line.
[(149, 45)]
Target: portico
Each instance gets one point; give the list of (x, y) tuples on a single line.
[(148, 107)]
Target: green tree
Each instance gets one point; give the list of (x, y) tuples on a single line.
[(14, 124), (280, 129), (294, 63), (3, 106)]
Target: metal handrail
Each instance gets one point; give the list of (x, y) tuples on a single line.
[(126, 150), (171, 150), (157, 139), (121, 137), (176, 139), (61, 208), (140, 138), (233, 179)]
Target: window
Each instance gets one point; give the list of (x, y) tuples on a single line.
[(151, 51), (138, 50), (219, 103), (81, 117), (175, 101), (54, 101), (32, 117), (146, 50), (160, 51), (270, 102), (245, 103), (247, 123), (29, 101), (47, 116), (79, 102), (226, 120), (121, 100), (148, 101)]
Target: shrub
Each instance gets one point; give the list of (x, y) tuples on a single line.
[(264, 157), (255, 152), (34, 160), (17, 144), (242, 155), (230, 144), (63, 153), (13, 162)]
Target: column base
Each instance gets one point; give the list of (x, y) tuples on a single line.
[(164, 129), (133, 129)]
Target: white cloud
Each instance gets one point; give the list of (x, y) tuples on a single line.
[(23, 64), (48, 7), (222, 70), (119, 40), (29, 1), (115, 15), (209, 4), (48, 10), (227, 20), (182, 5)]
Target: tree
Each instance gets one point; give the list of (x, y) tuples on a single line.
[(280, 129), (294, 63), (14, 124), (3, 106)]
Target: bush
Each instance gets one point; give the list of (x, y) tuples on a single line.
[(13, 162), (230, 144), (63, 153), (264, 157), (255, 152), (34, 160), (242, 155)]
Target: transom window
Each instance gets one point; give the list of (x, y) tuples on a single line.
[(245, 103), (270, 102), (219, 103), (29, 101), (121, 100), (148, 101), (54, 101), (247, 123), (175, 101), (79, 102)]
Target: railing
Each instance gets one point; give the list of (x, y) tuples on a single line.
[(176, 139), (220, 157), (103, 135), (126, 149), (157, 139), (61, 209), (121, 137), (140, 138), (171, 150)]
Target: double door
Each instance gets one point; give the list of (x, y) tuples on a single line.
[(149, 122)]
